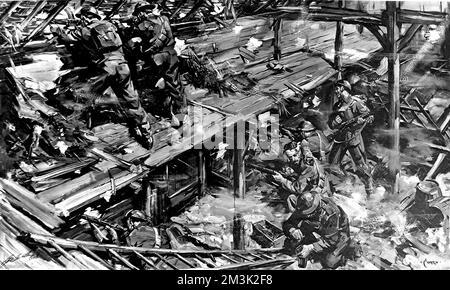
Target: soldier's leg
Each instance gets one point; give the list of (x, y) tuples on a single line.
[(362, 168), (127, 95), (337, 153)]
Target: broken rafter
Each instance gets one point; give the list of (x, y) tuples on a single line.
[(55, 11), (258, 264), (9, 11), (94, 246), (26, 200), (39, 6)]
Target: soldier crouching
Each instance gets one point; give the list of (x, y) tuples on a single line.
[(318, 229)]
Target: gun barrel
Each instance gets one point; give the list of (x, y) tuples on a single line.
[(264, 169), (100, 222)]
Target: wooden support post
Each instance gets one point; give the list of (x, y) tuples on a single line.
[(238, 232), (277, 31), (338, 45), (201, 172), (238, 161), (239, 183), (394, 89)]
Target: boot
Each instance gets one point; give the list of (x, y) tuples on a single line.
[(142, 136)]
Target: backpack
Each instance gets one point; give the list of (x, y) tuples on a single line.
[(105, 36)]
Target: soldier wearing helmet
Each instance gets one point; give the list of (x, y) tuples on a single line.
[(99, 38), (310, 173), (348, 138), (141, 231), (158, 44), (318, 228), (317, 140)]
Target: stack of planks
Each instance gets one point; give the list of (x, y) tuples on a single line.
[(16, 255)]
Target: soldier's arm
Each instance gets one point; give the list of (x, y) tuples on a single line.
[(292, 222), (292, 186), (161, 39), (361, 108), (67, 36)]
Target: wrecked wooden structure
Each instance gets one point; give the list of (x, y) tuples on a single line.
[(314, 44)]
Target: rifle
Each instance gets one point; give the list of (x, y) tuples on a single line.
[(347, 124), (103, 223), (267, 170), (67, 22)]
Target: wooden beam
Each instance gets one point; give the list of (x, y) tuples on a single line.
[(39, 6), (408, 36), (317, 13), (378, 33), (238, 232), (278, 31), (201, 171), (394, 89), (420, 17), (338, 45), (351, 16), (238, 159)]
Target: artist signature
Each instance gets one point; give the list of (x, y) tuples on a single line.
[(13, 258)]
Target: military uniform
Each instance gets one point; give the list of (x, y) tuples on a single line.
[(350, 139), (103, 44), (325, 226), (318, 142), (309, 177), (158, 45)]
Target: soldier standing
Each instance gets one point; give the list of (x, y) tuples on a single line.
[(99, 38), (317, 228), (350, 116)]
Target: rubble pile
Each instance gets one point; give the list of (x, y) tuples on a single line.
[(214, 214)]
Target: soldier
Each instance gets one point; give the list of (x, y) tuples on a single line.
[(317, 140), (318, 228), (158, 43), (141, 231), (350, 116), (310, 173), (100, 40)]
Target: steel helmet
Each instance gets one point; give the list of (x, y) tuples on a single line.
[(308, 202), (143, 6), (135, 214), (89, 11), (345, 84), (307, 126)]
